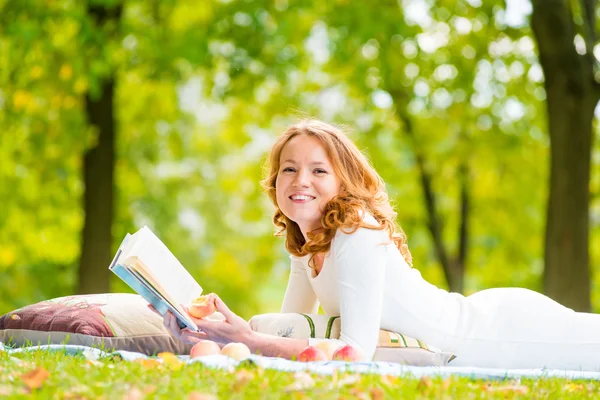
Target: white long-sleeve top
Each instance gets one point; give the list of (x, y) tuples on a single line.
[(366, 281)]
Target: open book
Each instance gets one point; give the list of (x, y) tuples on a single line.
[(148, 267)]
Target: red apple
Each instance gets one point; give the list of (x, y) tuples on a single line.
[(329, 347), (348, 353), (203, 306), (312, 353), (237, 351), (204, 348)]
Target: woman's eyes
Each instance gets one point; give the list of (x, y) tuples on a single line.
[(316, 171)]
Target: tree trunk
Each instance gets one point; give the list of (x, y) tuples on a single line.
[(572, 95), (98, 175), (98, 169)]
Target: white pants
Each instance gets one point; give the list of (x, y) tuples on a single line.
[(520, 328)]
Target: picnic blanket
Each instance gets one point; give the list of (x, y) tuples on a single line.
[(323, 367)]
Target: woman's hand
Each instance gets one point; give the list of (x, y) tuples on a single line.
[(232, 329)]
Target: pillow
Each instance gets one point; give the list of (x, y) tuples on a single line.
[(119, 321), (392, 346)]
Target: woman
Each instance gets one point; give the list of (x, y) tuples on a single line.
[(348, 256)]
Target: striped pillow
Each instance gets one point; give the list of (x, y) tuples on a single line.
[(393, 339), (324, 327)]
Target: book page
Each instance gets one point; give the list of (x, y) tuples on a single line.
[(139, 267), (161, 267), (152, 295)]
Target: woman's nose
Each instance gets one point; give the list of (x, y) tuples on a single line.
[(302, 179)]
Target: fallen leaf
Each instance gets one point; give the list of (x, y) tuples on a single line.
[(201, 396), (75, 394), (573, 387), (148, 362), (359, 393), (264, 384), (133, 394), (302, 381), (349, 380), (345, 381), (6, 390), (242, 377), (376, 393), (509, 388), (424, 383), (446, 383), (390, 380), (35, 378), (170, 359), (150, 389), (95, 363)]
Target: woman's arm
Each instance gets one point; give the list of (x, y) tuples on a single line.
[(361, 260), (299, 296), (275, 346), (235, 329)]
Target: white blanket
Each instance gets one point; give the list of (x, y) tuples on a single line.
[(326, 367)]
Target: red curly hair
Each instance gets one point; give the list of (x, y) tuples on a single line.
[(363, 191)]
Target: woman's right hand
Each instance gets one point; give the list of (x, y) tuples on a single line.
[(170, 322)]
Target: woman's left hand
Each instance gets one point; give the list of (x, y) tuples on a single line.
[(232, 329)]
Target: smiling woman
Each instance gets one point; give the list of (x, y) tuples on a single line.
[(348, 256), (348, 187)]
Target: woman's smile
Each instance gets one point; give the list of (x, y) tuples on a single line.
[(301, 198)]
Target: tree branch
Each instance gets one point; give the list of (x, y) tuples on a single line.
[(434, 224), (588, 10), (465, 210)]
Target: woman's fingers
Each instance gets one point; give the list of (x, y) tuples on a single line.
[(154, 310), (231, 329), (223, 309), (185, 335), (193, 337), (170, 322)]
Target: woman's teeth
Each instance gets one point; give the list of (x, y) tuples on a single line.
[(301, 197)]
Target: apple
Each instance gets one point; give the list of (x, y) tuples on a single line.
[(329, 347), (237, 351), (348, 353), (312, 353), (203, 306), (204, 348)]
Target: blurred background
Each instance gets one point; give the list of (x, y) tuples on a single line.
[(478, 114)]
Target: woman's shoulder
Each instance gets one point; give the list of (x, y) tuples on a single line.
[(362, 235), (299, 259)]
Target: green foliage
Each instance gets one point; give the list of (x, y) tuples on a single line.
[(202, 91)]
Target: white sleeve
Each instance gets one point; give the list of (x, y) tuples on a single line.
[(299, 296), (361, 259)]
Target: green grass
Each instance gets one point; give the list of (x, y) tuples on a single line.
[(61, 376)]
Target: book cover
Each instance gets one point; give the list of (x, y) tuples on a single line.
[(146, 265), (144, 289)]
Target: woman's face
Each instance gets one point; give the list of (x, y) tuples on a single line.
[(305, 182)]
